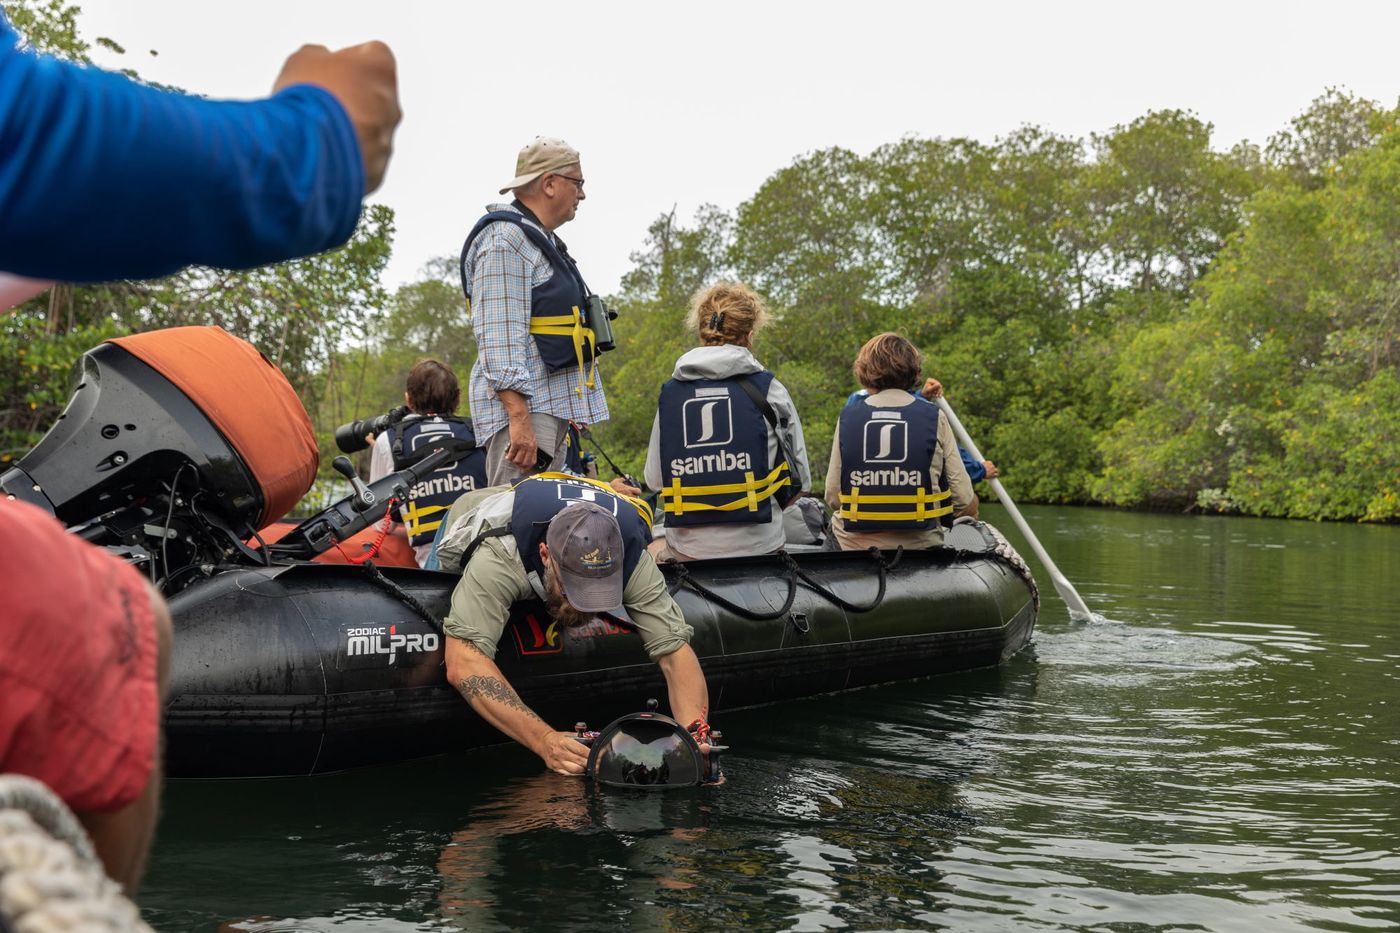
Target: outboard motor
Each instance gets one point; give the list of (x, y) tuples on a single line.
[(649, 751), (176, 446)]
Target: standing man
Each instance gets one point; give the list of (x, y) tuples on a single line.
[(535, 369)]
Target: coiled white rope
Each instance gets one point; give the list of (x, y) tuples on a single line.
[(50, 879), (1002, 549)]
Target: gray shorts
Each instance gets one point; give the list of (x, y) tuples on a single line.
[(550, 435)]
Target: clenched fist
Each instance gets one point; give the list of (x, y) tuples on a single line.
[(365, 80)]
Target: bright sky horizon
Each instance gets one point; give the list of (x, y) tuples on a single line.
[(677, 106)]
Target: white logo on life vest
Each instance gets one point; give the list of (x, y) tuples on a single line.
[(437, 484), (582, 492), (708, 422), (386, 639), (891, 441), (711, 463), (433, 433), (895, 477)]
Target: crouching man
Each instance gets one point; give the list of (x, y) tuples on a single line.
[(581, 548)]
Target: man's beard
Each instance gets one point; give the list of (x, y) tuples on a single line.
[(562, 610)]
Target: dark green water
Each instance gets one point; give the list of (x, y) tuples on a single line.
[(1222, 754)]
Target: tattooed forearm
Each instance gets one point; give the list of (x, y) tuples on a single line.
[(485, 687)]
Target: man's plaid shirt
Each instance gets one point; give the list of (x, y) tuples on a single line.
[(502, 267)]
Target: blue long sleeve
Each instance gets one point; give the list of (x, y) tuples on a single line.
[(976, 470), (104, 178)]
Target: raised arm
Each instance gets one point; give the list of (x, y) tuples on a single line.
[(107, 178)]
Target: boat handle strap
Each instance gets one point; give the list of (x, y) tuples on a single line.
[(822, 590), (683, 578)]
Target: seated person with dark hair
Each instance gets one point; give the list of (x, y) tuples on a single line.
[(432, 395), (977, 470), (894, 470)]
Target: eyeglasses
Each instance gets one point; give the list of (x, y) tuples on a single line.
[(578, 182)]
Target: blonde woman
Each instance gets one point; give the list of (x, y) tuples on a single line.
[(726, 447), (895, 470)]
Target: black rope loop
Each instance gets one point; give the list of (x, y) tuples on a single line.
[(822, 590), (683, 578), (398, 592)]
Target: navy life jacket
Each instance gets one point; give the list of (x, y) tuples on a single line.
[(428, 501), (558, 308), (714, 453), (539, 498), (886, 479)]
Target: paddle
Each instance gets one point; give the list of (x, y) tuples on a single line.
[(1077, 609)]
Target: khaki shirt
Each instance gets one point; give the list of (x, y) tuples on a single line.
[(946, 461), (495, 579)]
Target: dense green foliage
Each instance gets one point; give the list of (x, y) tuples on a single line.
[(1141, 321), (1137, 319)]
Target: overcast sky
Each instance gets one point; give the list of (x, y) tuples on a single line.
[(682, 104)]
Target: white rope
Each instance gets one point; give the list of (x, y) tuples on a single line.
[(50, 879), (1007, 553)]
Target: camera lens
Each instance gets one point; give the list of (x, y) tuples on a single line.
[(350, 438)]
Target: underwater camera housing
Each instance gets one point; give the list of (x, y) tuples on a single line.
[(179, 443), (649, 751)]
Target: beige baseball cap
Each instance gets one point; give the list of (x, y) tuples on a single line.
[(541, 155)]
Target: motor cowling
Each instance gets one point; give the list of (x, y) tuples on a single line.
[(192, 402)]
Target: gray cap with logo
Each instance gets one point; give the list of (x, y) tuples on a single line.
[(585, 543)]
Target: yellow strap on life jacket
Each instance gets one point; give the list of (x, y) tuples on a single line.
[(852, 504), (414, 518), (571, 325), (673, 497), (639, 504)]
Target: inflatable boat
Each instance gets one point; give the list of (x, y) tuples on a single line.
[(294, 654)]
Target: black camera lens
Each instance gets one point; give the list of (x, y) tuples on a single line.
[(350, 438)]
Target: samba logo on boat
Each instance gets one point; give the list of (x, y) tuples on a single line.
[(388, 642)]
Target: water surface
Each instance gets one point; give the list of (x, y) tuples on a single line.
[(1222, 752)]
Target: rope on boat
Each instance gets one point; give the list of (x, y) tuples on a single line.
[(794, 574), (399, 593), (684, 578), (1002, 550), (821, 590), (50, 878)]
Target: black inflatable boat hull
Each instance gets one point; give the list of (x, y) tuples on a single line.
[(314, 668)]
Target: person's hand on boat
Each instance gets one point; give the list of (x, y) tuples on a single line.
[(932, 389), (621, 486), (991, 469), (563, 753), (364, 79)]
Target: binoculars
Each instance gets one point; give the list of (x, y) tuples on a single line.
[(600, 319)]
